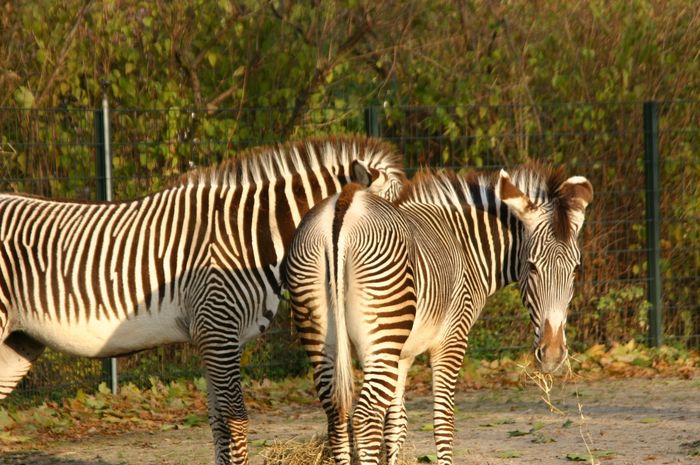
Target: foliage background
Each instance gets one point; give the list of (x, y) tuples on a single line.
[(454, 82), (330, 53)]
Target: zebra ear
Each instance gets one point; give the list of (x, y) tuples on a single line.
[(578, 192), (518, 202), (363, 174), (575, 194)]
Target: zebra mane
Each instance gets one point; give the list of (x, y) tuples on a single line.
[(539, 182), (266, 164)]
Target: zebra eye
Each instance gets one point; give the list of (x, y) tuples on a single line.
[(532, 267)]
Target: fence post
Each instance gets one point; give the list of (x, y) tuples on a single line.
[(103, 171), (372, 121), (653, 221)]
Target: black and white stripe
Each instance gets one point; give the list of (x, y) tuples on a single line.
[(397, 279), (196, 262)]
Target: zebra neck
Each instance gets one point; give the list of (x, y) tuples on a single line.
[(491, 237)]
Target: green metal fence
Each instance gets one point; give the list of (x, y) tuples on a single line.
[(641, 241)]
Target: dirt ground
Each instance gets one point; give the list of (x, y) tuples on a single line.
[(626, 422)]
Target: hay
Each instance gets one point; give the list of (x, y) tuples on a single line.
[(292, 452), (545, 382), (314, 451)]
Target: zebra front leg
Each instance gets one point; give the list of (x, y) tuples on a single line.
[(381, 375), (446, 362), (17, 353), (396, 422), (227, 413)]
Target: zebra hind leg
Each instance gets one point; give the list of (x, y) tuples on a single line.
[(380, 379), (338, 432), (17, 353), (396, 422)]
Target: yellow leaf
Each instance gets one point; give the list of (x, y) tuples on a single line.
[(212, 58)]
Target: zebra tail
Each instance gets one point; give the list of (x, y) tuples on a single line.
[(343, 378)]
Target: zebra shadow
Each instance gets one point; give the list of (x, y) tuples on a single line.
[(41, 458)]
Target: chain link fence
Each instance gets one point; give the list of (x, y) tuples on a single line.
[(53, 153)]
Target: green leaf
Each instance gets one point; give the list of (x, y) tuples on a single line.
[(194, 420), (239, 71), (24, 97), (517, 433), (226, 6), (649, 420), (5, 419), (542, 439), (536, 426), (509, 454), (567, 424), (260, 443), (201, 384), (506, 421), (6, 436), (586, 457), (426, 427), (212, 57), (427, 458)]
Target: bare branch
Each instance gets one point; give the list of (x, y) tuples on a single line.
[(321, 73)]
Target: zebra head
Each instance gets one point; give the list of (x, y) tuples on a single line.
[(552, 216), (386, 182)]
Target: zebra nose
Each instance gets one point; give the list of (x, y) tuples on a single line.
[(551, 351)]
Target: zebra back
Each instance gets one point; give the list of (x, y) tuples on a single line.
[(100, 261)]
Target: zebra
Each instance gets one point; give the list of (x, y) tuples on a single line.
[(196, 262), (394, 280)]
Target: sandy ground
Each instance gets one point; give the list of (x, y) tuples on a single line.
[(626, 422)]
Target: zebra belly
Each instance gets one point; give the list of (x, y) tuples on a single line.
[(105, 338), (423, 337)]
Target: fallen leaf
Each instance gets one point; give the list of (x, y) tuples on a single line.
[(517, 433), (506, 421), (509, 454), (648, 420)]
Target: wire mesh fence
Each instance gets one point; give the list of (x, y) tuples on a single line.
[(52, 153)]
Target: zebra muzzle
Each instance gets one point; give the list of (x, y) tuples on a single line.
[(551, 351)]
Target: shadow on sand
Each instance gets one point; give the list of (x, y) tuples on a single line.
[(40, 458)]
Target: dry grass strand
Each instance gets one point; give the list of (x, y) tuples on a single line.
[(545, 382)]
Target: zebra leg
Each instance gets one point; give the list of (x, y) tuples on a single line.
[(312, 327), (395, 423), (381, 373), (310, 311), (17, 353), (227, 413), (446, 362), (338, 431)]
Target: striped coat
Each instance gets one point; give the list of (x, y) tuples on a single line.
[(197, 262), (388, 281)]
